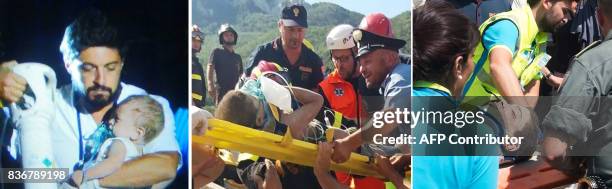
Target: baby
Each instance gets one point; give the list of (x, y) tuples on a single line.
[(137, 120)]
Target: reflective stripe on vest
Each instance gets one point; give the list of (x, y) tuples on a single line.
[(196, 76), (196, 96)]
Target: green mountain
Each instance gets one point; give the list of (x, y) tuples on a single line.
[(256, 24), (401, 29)]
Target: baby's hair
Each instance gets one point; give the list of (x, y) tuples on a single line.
[(150, 114)]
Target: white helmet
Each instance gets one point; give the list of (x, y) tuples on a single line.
[(340, 37)]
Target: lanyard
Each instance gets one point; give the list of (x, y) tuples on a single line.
[(79, 128), (438, 88), (81, 153)]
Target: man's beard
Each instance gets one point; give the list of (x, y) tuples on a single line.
[(346, 76), (194, 51), (293, 43), (550, 26), (97, 102)]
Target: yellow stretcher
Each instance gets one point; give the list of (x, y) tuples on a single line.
[(227, 135)]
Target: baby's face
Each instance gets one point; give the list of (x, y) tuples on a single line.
[(123, 125)]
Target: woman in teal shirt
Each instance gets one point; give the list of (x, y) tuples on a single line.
[(444, 41)]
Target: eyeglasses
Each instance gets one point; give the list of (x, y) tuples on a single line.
[(341, 58)]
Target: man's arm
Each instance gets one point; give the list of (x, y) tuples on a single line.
[(160, 166), (532, 93), (507, 82), (568, 119), (211, 75), (344, 146), (298, 120), (384, 167), (321, 167), (500, 39), (553, 80), (206, 165), (240, 66), (504, 78), (397, 96)]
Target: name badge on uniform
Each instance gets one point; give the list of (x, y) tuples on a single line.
[(306, 71)]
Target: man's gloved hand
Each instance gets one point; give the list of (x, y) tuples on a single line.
[(199, 122)]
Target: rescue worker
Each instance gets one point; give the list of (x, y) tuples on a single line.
[(579, 33), (224, 65), (198, 82), (95, 63), (340, 90), (443, 47), (512, 52), (304, 65), (207, 166), (382, 69), (578, 123)]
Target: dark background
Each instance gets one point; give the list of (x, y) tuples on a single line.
[(157, 60), (157, 32)]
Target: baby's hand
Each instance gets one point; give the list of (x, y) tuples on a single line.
[(77, 177)]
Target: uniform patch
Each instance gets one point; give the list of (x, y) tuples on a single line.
[(305, 69), (339, 92)]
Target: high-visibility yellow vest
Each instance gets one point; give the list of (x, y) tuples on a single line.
[(530, 50)]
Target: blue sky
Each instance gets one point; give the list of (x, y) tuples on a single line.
[(390, 8)]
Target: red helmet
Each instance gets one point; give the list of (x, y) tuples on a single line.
[(375, 32), (377, 23), (265, 66)]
